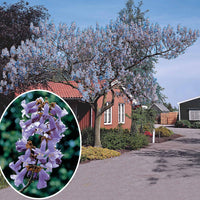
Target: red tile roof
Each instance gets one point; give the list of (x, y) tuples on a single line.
[(61, 89), (64, 91)]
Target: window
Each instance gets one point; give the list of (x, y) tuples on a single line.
[(194, 115), (121, 113), (108, 116)]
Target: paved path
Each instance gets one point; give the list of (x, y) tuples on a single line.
[(165, 171)]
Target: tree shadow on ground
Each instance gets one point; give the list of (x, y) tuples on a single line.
[(189, 140), (174, 162)]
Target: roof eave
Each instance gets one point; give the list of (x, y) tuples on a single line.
[(189, 100)]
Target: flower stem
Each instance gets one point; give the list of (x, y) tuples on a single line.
[(29, 182), (31, 178)]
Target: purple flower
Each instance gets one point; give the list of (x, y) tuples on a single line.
[(28, 105), (46, 109), (35, 175), (25, 124), (52, 123), (48, 167), (29, 173), (26, 158), (42, 128), (21, 145), (45, 120), (58, 111), (35, 117), (28, 108), (31, 107), (27, 154), (30, 130), (19, 178), (54, 157), (15, 167), (55, 136), (41, 152), (51, 145), (61, 127), (43, 177)]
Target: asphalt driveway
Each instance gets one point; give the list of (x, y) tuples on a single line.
[(163, 171)]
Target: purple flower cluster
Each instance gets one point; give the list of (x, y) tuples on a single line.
[(43, 121)]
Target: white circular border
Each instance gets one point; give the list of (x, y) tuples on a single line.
[(79, 137)]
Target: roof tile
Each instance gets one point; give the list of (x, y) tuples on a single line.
[(61, 89)]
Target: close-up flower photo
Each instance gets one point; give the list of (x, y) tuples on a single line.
[(39, 144)]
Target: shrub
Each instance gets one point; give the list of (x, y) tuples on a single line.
[(138, 141), (195, 125), (148, 127), (115, 139), (142, 119), (97, 153), (183, 124), (88, 134), (124, 141), (87, 137), (164, 132)]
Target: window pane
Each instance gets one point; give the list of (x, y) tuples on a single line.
[(109, 115), (194, 115), (119, 113), (105, 116), (123, 112)]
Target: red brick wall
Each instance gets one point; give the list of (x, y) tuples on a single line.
[(115, 123), (168, 118)]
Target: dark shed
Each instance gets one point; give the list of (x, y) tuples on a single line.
[(190, 109), (159, 108)]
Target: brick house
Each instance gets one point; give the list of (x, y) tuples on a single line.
[(111, 118)]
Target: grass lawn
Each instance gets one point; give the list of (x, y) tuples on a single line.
[(3, 183)]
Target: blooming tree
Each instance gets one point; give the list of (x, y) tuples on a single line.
[(95, 58), (44, 121), (15, 27)]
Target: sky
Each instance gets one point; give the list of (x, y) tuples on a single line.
[(179, 77)]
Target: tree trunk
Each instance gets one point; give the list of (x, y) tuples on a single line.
[(133, 125), (5, 100), (97, 126), (133, 121)]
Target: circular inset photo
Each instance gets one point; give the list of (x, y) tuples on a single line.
[(40, 144)]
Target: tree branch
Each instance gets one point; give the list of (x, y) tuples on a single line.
[(106, 107)]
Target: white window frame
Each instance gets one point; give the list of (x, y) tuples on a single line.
[(194, 115), (108, 116), (121, 113)]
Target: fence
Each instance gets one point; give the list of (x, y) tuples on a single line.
[(168, 118)]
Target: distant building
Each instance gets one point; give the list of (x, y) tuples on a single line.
[(190, 109), (159, 108)]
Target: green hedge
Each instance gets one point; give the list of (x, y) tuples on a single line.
[(115, 139), (195, 125), (187, 124), (183, 124)]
